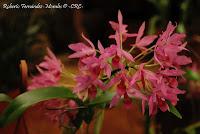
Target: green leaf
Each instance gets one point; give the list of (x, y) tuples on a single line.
[(5, 98), (99, 122), (16, 108), (191, 129), (192, 75), (152, 24), (181, 28), (152, 130), (88, 115), (103, 98), (173, 110)]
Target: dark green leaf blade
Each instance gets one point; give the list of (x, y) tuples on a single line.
[(5, 98), (192, 75), (103, 98), (27, 99), (173, 110)]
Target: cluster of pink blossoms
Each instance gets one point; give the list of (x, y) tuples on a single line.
[(50, 72), (154, 82), (49, 75)]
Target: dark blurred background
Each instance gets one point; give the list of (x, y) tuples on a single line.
[(25, 33)]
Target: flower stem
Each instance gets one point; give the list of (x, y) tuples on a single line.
[(133, 47), (65, 107), (146, 65), (144, 52), (144, 55), (98, 51), (121, 41), (151, 65), (148, 62), (147, 122)]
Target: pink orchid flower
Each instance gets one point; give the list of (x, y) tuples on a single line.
[(88, 85), (123, 90), (97, 65), (44, 80), (167, 48), (164, 90), (114, 52), (104, 60), (50, 70), (143, 75), (172, 72), (50, 63), (118, 51), (142, 42), (82, 50), (156, 88), (62, 115), (120, 28)]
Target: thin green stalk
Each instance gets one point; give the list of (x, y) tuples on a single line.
[(147, 123), (99, 122), (65, 107)]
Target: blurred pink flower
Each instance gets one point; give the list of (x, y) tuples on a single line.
[(60, 110), (50, 70)]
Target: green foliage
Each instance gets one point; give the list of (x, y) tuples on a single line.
[(181, 28), (87, 112), (191, 129), (5, 98), (173, 110), (18, 105), (103, 98), (16, 108), (99, 122), (192, 75)]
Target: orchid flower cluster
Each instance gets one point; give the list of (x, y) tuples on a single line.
[(154, 82), (148, 71)]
